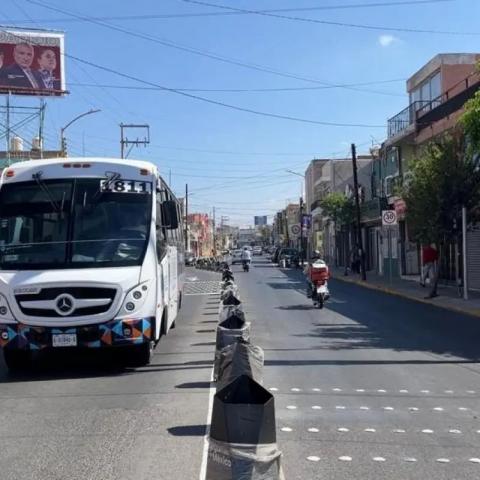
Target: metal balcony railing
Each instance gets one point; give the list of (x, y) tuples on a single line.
[(402, 120)]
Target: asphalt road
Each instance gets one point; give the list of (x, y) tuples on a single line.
[(372, 387)]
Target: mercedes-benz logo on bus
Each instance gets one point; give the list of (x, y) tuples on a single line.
[(64, 304)]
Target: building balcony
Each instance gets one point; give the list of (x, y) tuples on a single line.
[(421, 114)]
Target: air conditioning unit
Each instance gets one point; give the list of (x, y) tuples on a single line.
[(390, 182)]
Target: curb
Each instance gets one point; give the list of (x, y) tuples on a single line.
[(473, 313)]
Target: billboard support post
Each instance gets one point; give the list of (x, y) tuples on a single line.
[(41, 125), (7, 133)]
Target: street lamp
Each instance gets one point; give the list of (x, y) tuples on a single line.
[(63, 142)]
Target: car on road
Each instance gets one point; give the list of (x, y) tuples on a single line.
[(257, 251), (236, 257), (190, 259)]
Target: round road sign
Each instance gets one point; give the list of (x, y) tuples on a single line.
[(296, 229), (389, 217)]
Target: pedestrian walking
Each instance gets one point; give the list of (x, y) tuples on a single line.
[(429, 259)]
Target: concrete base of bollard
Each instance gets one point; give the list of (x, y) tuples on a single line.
[(229, 461)]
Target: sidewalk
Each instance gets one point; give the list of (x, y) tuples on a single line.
[(447, 299)]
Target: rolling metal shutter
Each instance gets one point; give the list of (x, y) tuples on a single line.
[(473, 258)]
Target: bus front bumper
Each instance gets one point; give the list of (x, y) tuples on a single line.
[(110, 334)]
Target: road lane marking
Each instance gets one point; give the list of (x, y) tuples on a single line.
[(410, 459), (379, 459), (455, 431), (313, 458), (474, 460), (316, 407), (273, 389), (443, 460), (370, 430), (388, 409), (399, 430), (291, 407), (313, 430), (286, 429), (211, 394), (343, 429)]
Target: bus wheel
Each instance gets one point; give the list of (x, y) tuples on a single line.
[(140, 355), (17, 360)]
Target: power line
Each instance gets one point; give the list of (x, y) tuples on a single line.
[(153, 16), (333, 23), (251, 90), (223, 104), (208, 100), (196, 51)]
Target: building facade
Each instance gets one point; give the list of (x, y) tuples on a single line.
[(437, 94)]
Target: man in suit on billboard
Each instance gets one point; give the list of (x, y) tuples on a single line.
[(20, 73)]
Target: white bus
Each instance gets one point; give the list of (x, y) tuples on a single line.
[(91, 255)]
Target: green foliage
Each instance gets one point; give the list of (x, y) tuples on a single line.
[(470, 121), (443, 179), (339, 208)]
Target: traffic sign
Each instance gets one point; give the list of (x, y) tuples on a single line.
[(389, 218), (295, 229)]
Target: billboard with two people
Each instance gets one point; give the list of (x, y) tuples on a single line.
[(31, 63)]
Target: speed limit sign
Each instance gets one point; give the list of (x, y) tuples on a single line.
[(389, 218)]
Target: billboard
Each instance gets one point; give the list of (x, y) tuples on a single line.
[(260, 220), (32, 63)]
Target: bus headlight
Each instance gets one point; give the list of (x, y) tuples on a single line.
[(5, 313), (135, 299)]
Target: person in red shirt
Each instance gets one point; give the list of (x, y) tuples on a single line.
[(429, 258)]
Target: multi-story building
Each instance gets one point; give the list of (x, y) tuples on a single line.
[(437, 94), (324, 176), (200, 234)]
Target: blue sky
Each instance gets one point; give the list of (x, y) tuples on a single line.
[(233, 159)]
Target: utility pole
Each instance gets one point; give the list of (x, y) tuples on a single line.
[(357, 208), (214, 233), (301, 230), (186, 218), (124, 141)]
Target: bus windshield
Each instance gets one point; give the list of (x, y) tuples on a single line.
[(72, 224)]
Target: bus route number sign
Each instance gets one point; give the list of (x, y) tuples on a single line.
[(389, 218), (126, 186)]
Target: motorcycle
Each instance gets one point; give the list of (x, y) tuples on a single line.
[(318, 285), (246, 265), (320, 294)]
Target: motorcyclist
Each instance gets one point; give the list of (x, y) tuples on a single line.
[(315, 262), (246, 256)]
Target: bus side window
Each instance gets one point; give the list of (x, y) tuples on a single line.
[(161, 238)]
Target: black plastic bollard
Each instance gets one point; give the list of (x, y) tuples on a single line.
[(231, 298), (226, 311), (226, 336), (240, 358), (242, 443), (243, 412)]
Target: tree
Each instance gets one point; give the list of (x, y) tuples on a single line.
[(340, 210), (443, 179)]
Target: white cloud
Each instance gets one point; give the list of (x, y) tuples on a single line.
[(387, 40)]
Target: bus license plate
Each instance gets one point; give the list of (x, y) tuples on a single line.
[(64, 340)]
